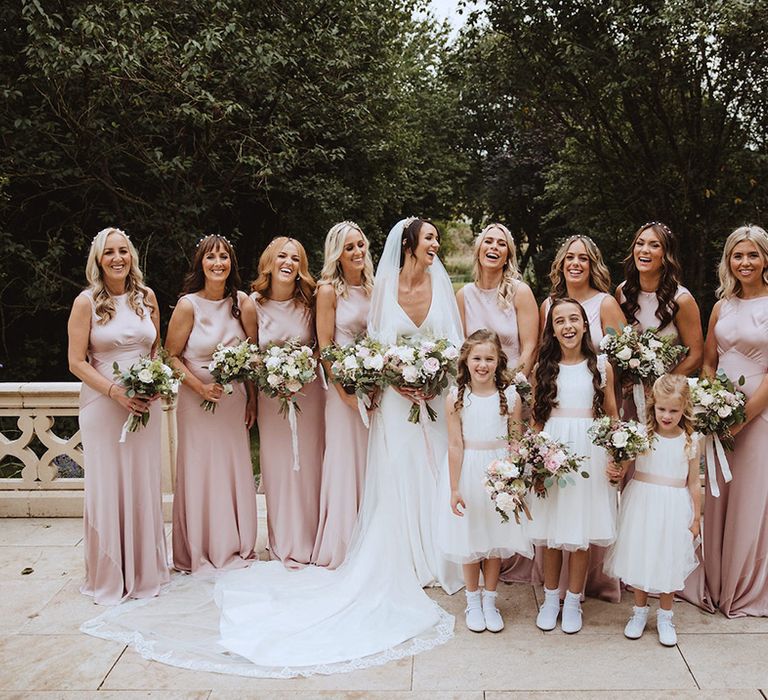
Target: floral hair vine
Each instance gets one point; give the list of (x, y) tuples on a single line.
[(214, 235), (661, 225), (111, 229), (408, 221), (576, 237)]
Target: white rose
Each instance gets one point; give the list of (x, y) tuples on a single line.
[(273, 362), (274, 350), (619, 438), (363, 351), (724, 411), (373, 362), (624, 354), (167, 371), (427, 346), (274, 380), (634, 363), (654, 344), (706, 399), (499, 485), (145, 376), (450, 353), (431, 365), (292, 371), (410, 374), (350, 363), (505, 502)]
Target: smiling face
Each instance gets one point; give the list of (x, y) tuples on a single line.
[(217, 264), (747, 263), (482, 361), (285, 267), (568, 325), (352, 258), (115, 262), (493, 252), (648, 252), (428, 245), (668, 411), (576, 264)]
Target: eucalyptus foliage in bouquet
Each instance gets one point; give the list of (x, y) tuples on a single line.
[(717, 406), (507, 482), (643, 356), (622, 440), (229, 364)]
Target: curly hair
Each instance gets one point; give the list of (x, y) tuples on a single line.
[(103, 301), (194, 280), (510, 272), (729, 285), (305, 284), (671, 386), (599, 275), (501, 377), (671, 275), (548, 367)]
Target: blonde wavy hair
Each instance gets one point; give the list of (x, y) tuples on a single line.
[(729, 284), (510, 273), (672, 386), (304, 288), (103, 301), (334, 246), (599, 275)]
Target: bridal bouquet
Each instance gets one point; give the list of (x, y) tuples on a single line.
[(357, 367), (622, 440), (507, 482), (547, 462), (645, 356), (147, 377), (229, 364), (717, 406), (420, 363), (281, 371)]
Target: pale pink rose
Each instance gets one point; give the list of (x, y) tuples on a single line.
[(431, 366)]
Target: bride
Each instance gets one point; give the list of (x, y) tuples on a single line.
[(271, 622)]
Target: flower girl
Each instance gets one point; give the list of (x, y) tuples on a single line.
[(654, 550), (471, 532), (573, 386)]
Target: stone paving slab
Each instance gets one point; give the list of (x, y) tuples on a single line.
[(107, 695), (727, 660)]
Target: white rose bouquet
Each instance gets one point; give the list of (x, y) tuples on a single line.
[(645, 356), (146, 378), (507, 485), (281, 371), (423, 364), (357, 367), (622, 440), (717, 406), (229, 364)]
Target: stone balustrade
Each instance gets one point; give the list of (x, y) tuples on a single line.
[(41, 458)]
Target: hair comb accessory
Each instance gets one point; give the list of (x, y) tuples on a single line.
[(111, 230), (214, 235), (660, 224)]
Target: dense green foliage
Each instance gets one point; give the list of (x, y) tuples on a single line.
[(175, 119)]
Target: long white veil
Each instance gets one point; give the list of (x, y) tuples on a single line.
[(267, 621)]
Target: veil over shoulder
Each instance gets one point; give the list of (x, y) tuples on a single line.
[(268, 621)]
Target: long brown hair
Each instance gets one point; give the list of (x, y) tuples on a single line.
[(304, 288), (501, 377), (411, 236), (599, 275), (195, 278), (671, 275), (548, 367)]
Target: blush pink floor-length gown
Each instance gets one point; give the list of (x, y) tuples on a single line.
[(346, 447), (214, 505), (125, 555), (293, 497), (735, 524)]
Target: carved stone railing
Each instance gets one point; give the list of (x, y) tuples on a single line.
[(46, 466)]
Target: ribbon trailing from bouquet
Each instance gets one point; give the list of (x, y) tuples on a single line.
[(126, 428), (423, 418), (714, 453), (294, 434), (362, 409), (638, 394)]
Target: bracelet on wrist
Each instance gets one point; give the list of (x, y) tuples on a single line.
[(109, 391)]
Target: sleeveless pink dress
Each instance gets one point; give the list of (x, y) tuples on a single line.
[(293, 497), (481, 310), (214, 506), (592, 308), (125, 554), (735, 526), (346, 447)]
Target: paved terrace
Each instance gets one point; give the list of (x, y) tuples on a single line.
[(42, 654)]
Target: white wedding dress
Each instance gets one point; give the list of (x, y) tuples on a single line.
[(268, 621)]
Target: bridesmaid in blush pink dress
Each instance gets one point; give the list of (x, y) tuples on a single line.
[(579, 272), (736, 529), (283, 292), (343, 300), (498, 300), (214, 505), (116, 320)]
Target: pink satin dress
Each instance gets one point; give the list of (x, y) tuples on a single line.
[(293, 497), (346, 447), (214, 505), (125, 555), (735, 524), (481, 310)]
